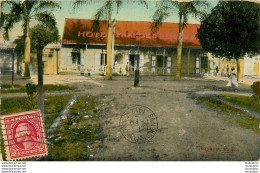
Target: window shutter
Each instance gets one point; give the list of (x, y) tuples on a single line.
[(169, 64), (153, 64), (69, 60)]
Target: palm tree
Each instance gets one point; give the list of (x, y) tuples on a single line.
[(41, 36), (166, 8), (106, 11), (26, 11)]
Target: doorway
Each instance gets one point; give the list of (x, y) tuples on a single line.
[(133, 60), (256, 68)]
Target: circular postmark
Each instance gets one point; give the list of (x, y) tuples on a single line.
[(138, 124)]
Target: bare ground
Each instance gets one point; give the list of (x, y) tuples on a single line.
[(186, 130)]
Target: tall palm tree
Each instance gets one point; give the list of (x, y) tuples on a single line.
[(105, 12), (168, 7), (26, 11), (41, 36)]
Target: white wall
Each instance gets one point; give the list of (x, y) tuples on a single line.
[(249, 65)]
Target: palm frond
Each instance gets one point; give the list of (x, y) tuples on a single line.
[(195, 7), (118, 4), (176, 4), (159, 16), (143, 2), (10, 20), (78, 3), (47, 19), (28, 6), (48, 4), (100, 14)]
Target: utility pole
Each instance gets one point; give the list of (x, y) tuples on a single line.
[(137, 71), (13, 68)]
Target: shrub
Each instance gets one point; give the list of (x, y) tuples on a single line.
[(256, 88), (31, 90)]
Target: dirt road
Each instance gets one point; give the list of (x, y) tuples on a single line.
[(186, 130)]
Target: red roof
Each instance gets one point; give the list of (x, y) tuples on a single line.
[(129, 33)]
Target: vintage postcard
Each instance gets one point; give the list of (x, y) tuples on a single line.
[(131, 80)]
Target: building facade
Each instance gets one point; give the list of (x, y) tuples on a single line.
[(84, 51), (51, 59), (8, 58), (249, 66)]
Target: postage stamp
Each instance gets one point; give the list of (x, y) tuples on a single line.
[(138, 124), (23, 135)]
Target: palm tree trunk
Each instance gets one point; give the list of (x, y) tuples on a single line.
[(27, 52), (179, 48), (238, 70), (40, 82), (109, 42)]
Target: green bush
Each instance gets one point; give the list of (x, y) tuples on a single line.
[(256, 88), (31, 90)]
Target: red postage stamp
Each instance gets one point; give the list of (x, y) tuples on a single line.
[(23, 135)]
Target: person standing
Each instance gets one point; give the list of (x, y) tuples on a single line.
[(127, 69), (232, 82)]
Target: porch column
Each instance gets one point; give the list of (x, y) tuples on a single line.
[(210, 64), (126, 60), (163, 60), (189, 61)]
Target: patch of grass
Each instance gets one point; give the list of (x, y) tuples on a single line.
[(230, 114), (244, 121), (50, 87), (217, 105), (78, 135), (53, 106), (7, 88), (10, 86), (249, 102)]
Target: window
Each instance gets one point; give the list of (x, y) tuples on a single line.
[(204, 64), (50, 55), (103, 59), (153, 64)]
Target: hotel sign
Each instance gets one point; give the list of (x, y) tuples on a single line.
[(118, 34)]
